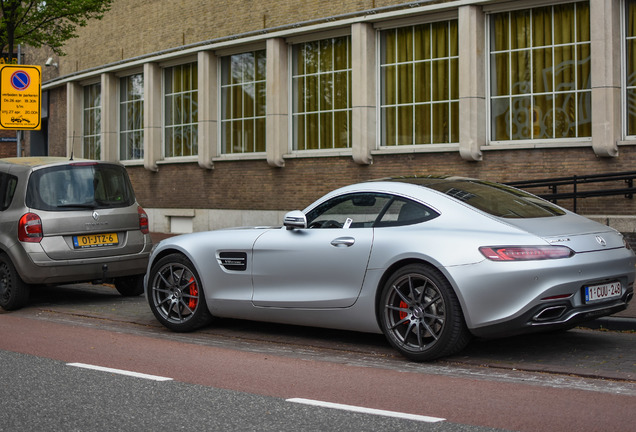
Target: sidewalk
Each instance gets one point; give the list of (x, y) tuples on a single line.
[(621, 321)]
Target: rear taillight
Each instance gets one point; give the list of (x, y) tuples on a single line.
[(525, 253), (143, 220), (30, 228)]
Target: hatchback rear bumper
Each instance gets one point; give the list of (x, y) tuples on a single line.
[(47, 271)]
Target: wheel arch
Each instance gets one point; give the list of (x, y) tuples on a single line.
[(158, 255), (172, 249)]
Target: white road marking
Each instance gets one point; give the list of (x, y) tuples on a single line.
[(363, 410), (120, 372)]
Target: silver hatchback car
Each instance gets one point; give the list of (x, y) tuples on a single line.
[(67, 221)]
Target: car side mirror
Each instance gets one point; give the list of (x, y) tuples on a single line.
[(295, 219)]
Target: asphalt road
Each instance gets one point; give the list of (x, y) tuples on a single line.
[(238, 375), (40, 394)]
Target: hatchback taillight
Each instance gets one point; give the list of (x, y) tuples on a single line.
[(143, 220), (30, 228)]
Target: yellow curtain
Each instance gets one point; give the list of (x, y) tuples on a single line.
[(584, 71), (419, 74), (547, 80), (389, 98), (243, 81), (92, 122), (500, 64), (322, 114), (631, 67)]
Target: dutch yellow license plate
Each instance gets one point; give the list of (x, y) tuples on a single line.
[(95, 240)]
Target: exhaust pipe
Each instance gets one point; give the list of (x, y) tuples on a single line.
[(550, 313)]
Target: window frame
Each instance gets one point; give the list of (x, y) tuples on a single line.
[(294, 99), (451, 101), (259, 114), (553, 94), (625, 88), (191, 126), (124, 104), (378, 219), (92, 132)]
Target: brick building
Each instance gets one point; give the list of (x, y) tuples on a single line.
[(233, 112)]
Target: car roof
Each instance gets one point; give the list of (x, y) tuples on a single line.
[(31, 163), (35, 161)]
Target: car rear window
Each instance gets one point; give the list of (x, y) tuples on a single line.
[(79, 186), (497, 199)]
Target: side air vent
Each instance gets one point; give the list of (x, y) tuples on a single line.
[(235, 261)]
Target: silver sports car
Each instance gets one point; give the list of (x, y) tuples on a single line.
[(429, 262)]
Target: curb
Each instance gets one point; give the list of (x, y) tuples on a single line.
[(611, 323)]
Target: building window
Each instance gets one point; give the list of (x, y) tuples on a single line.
[(321, 82), (181, 111), (419, 85), (630, 72), (92, 122), (243, 103), (131, 117), (540, 73)]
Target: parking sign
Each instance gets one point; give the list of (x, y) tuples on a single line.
[(20, 95)]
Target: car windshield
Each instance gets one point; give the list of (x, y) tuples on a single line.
[(79, 186), (493, 198)]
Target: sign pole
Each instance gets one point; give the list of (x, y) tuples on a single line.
[(18, 133)]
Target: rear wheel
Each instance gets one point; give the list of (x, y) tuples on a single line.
[(130, 286), (14, 293), (420, 314), (175, 294)]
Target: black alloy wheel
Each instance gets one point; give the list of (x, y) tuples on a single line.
[(420, 314), (176, 296)]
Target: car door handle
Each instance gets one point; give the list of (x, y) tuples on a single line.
[(343, 242)]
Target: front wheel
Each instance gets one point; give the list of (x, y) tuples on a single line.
[(420, 314), (175, 294), (14, 293)]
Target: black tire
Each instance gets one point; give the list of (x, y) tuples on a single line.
[(176, 296), (14, 293), (420, 314), (130, 286)]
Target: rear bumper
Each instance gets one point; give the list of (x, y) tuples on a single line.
[(47, 271), (554, 316), (506, 298)]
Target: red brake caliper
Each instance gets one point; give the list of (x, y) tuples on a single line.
[(194, 291), (403, 305)]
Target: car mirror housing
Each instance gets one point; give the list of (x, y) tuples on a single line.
[(295, 219)]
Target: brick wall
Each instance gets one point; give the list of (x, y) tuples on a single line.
[(171, 24), (9, 148), (255, 185), (57, 122)]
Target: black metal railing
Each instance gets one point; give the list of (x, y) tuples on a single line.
[(571, 185)]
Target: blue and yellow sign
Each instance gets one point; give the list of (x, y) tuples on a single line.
[(20, 95)]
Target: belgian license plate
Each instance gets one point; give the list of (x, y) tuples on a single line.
[(95, 240), (604, 291)]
